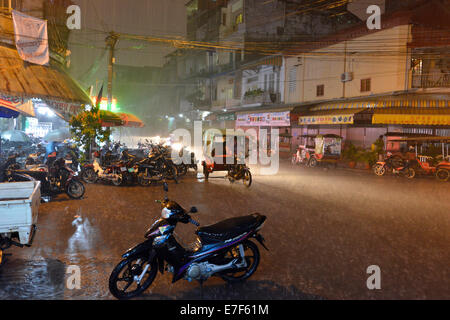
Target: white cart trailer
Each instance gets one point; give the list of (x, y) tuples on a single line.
[(19, 205)]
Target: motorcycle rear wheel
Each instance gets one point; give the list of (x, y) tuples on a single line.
[(252, 258), (409, 173), (182, 170), (125, 272)]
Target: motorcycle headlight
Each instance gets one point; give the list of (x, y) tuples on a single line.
[(166, 213)]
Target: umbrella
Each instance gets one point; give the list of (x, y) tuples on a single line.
[(130, 120), (8, 110), (58, 135), (15, 136), (110, 119)]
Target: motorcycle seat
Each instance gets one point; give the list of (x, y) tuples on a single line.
[(229, 228)]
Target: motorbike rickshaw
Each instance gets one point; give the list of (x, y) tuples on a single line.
[(220, 155), (431, 156), (317, 149)]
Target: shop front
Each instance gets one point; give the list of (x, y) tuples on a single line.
[(276, 119), (362, 122)]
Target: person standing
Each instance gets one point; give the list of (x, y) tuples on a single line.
[(378, 147)]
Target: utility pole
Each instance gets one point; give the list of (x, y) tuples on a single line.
[(111, 42)]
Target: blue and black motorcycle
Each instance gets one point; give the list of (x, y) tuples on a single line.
[(224, 249)]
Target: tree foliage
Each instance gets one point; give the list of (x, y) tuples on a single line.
[(86, 128)]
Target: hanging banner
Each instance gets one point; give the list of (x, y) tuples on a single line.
[(269, 119), (31, 38)]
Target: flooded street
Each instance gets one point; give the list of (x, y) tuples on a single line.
[(324, 228)]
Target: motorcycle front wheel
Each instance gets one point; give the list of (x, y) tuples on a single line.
[(252, 257), (89, 175), (142, 181), (379, 170), (75, 189), (171, 172), (117, 182), (122, 281)]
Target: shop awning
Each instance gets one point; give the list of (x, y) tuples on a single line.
[(20, 81), (130, 120), (110, 119), (387, 103), (329, 117), (409, 116)]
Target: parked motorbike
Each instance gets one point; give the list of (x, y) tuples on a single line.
[(55, 179), (223, 249), (8, 172), (393, 165), (240, 172), (156, 167), (91, 173)]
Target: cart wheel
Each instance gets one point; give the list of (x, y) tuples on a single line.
[(294, 160), (247, 178), (410, 173), (443, 175)]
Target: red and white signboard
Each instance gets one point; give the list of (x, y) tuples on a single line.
[(31, 38), (267, 119)]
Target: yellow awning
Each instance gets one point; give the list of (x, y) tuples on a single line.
[(432, 117), (329, 117), (388, 103)]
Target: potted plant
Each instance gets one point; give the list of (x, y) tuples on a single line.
[(350, 154), (367, 158)]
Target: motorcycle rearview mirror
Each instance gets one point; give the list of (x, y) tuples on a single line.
[(193, 210)]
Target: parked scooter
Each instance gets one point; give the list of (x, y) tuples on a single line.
[(392, 165), (223, 249)]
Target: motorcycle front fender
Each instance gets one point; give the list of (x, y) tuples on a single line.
[(145, 246)]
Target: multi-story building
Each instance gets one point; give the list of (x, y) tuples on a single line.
[(364, 83)]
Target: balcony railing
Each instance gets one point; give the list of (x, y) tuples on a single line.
[(225, 104), (434, 80), (263, 98)]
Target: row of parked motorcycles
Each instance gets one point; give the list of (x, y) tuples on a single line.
[(144, 166)]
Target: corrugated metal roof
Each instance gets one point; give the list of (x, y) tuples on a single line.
[(24, 80)]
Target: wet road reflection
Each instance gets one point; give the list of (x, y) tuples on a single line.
[(323, 229)]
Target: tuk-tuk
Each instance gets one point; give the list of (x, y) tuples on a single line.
[(220, 155), (317, 149), (431, 155)]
